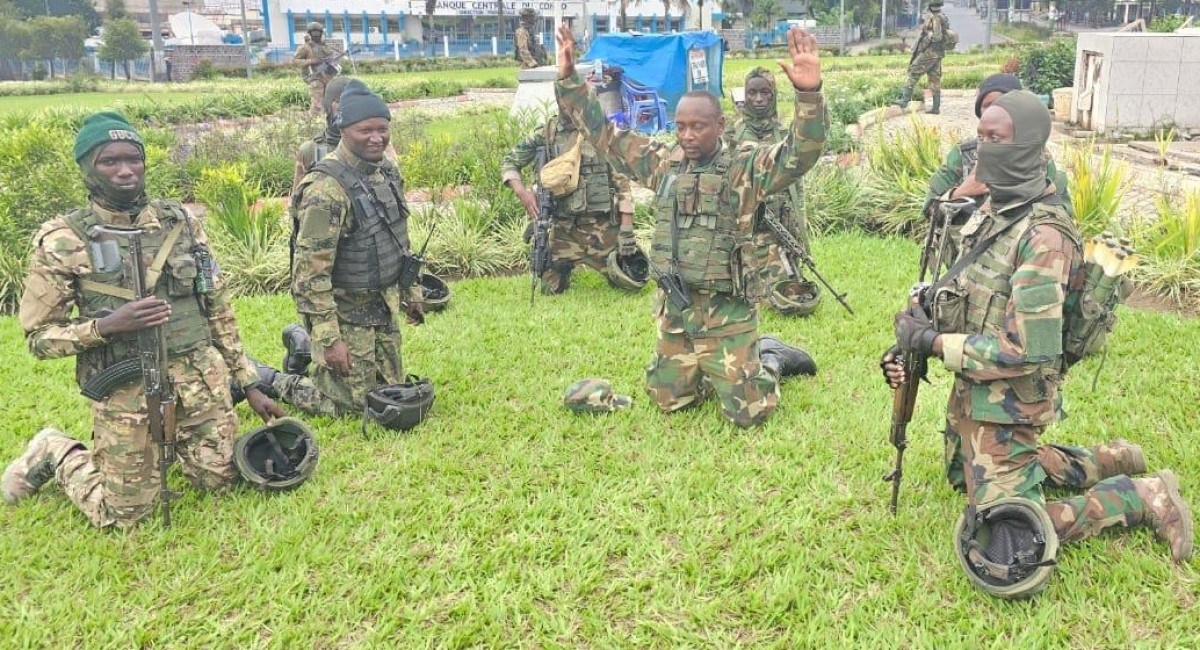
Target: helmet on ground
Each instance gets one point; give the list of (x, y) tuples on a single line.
[(795, 297), (1007, 547), (594, 396), (435, 292), (315, 26), (400, 407), (628, 272), (277, 456)]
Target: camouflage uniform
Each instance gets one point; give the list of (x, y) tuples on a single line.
[(529, 53), (928, 59), (116, 482), (713, 203), (316, 81), (1001, 328), (585, 223), (364, 317), (787, 206)]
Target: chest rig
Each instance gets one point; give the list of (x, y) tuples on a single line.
[(783, 203), (172, 273), (594, 196), (371, 248), (696, 233)]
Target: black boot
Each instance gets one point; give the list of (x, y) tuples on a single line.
[(266, 383), (937, 103), (784, 360), (905, 97), (299, 350)]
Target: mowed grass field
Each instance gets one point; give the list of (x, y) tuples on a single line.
[(504, 520)]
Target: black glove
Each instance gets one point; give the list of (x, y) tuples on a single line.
[(626, 242), (895, 353), (914, 331)]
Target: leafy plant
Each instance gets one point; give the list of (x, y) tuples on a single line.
[(249, 235), (1096, 188), (1170, 248), (900, 164), (834, 200), (1044, 67)]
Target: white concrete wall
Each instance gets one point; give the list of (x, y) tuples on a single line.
[(1148, 80)]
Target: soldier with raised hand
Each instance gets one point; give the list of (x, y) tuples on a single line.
[(350, 233), (79, 301), (310, 55), (787, 291), (927, 57), (593, 225), (529, 53), (703, 251), (996, 320)]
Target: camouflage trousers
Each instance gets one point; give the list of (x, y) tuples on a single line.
[(928, 64), (316, 95), (1002, 460), (375, 361), (116, 482), (729, 364), (584, 240)]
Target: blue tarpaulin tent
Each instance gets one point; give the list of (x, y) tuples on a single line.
[(664, 61)]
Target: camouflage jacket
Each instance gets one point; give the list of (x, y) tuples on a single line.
[(313, 51), (955, 168), (1008, 345), (524, 44), (933, 33), (753, 173), (793, 198), (603, 180), (49, 307), (324, 215)]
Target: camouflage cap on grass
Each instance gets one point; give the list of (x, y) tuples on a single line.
[(594, 396)]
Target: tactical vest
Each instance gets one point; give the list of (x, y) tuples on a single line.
[(705, 213), (369, 252), (109, 285), (316, 51), (781, 204), (594, 196), (321, 148), (985, 286)]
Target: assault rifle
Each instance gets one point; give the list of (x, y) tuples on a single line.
[(328, 66), (789, 243), (916, 366), (151, 365), (539, 246)]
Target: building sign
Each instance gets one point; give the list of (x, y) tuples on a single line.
[(492, 7)]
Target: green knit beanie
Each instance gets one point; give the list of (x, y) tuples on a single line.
[(103, 128)]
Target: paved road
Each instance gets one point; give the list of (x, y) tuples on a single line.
[(967, 23)]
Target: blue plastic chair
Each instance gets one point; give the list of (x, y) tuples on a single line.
[(647, 110)]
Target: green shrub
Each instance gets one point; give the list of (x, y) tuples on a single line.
[(1046, 67), (834, 200), (204, 71), (901, 164), (1170, 250), (1096, 188), (250, 237)]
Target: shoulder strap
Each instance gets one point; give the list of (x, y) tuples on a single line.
[(972, 255)]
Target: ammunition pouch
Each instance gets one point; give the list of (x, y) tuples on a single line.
[(948, 310)]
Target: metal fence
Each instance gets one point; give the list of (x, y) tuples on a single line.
[(397, 50)]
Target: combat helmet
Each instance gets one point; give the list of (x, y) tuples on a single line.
[(628, 272), (1008, 547), (277, 456), (795, 297), (435, 292), (399, 407), (528, 13), (315, 26)]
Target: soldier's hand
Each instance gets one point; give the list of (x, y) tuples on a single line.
[(414, 312), (135, 316), (529, 200), (969, 187), (264, 406), (914, 331), (893, 370), (626, 242), (337, 357), (566, 51), (804, 67)]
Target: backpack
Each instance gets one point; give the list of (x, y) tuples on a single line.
[(949, 40), (1089, 311)]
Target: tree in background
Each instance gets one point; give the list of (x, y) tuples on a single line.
[(123, 42), (765, 13), (115, 10), (56, 37), (82, 9), (15, 41)]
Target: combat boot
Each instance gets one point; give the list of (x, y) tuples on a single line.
[(1165, 512), (905, 97), (1127, 458), (784, 360), (266, 383), (937, 103), (33, 469), (299, 350)]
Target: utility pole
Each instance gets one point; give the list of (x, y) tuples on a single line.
[(156, 39), (987, 27), (246, 39), (883, 23), (842, 29)]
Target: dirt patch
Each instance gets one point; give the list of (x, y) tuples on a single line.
[(1142, 299)]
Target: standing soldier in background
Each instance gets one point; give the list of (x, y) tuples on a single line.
[(935, 40), (79, 301), (311, 151), (312, 55), (529, 53), (592, 225), (703, 252), (351, 235), (787, 291)]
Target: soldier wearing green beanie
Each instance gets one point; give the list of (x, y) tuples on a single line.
[(79, 301)]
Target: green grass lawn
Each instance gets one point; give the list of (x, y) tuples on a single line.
[(98, 101), (506, 521)]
